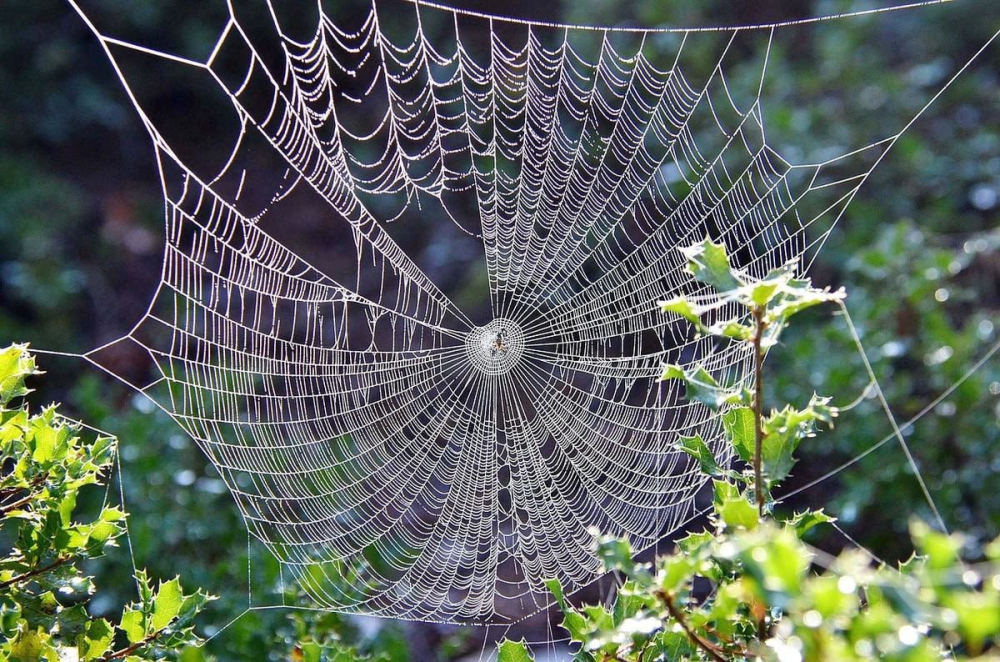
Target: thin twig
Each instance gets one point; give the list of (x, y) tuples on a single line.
[(34, 573), (17, 504), (758, 424), (713, 651), (11, 491), (128, 650), (758, 405)]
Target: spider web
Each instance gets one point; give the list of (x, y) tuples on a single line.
[(405, 456)]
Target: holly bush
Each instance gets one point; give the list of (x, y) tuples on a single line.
[(46, 461), (751, 587)]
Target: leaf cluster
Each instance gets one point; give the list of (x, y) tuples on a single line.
[(756, 590), (751, 587), (46, 463), (768, 302), (766, 442)]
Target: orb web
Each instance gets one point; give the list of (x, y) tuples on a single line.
[(398, 457)]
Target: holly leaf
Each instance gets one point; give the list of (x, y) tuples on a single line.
[(671, 645), (709, 264), (703, 388), (697, 448), (776, 454), (167, 603), (133, 625), (762, 292), (693, 543), (514, 651), (28, 643), (738, 514), (807, 519), (739, 426), (785, 429), (941, 549), (15, 365), (616, 554), (556, 589), (97, 639), (797, 295), (733, 508), (45, 439), (684, 308), (675, 572), (729, 329)]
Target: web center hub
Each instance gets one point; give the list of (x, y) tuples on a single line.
[(494, 349)]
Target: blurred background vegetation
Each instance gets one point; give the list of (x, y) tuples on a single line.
[(918, 251)]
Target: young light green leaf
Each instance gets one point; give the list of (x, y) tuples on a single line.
[(675, 572), (573, 621), (729, 329), (66, 506), (15, 365), (777, 451), (133, 625), (631, 600), (693, 543), (45, 439), (797, 295), (615, 554), (785, 429), (167, 603), (702, 387), (941, 549), (738, 423), (599, 615), (681, 306), (28, 643), (671, 645), (709, 264), (807, 519), (96, 640), (978, 615), (738, 514), (145, 587), (697, 448), (556, 589), (732, 507), (192, 654), (514, 651), (762, 292)]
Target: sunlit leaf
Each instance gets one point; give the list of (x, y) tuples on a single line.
[(739, 425), (167, 603), (697, 448), (708, 263)]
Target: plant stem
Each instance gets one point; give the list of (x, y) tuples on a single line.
[(34, 573), (711, 649), (758, 405), (17, 504), (128, 650), (9, 492)]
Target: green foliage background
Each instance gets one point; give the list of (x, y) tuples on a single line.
[(80, 217)]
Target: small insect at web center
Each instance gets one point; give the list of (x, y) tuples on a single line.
[(495, 349)]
